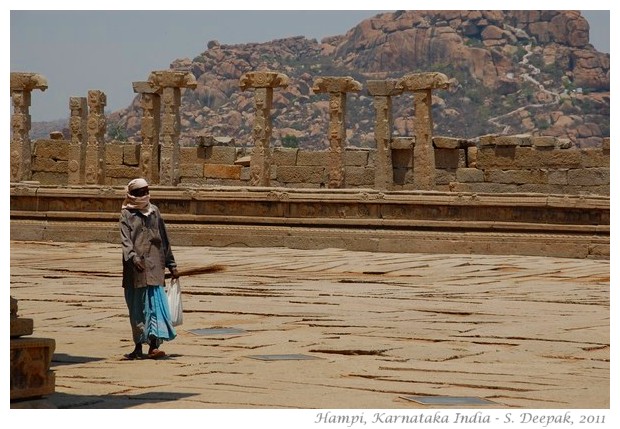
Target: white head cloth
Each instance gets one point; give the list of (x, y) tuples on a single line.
[(142, 203)]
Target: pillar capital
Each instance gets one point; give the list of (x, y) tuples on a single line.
[(144, 87), (27, 81), (171, 78), (96, 98), (423, 81), (384, 88), (263, 79), (336, 84)]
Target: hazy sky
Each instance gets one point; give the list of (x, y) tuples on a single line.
[(80, 50)]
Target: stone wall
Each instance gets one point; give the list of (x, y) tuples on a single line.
[(489, 164)]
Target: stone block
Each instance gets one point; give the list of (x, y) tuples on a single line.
[(543, 141), (402, 143), (49, 165), (131, 154), (469, 175), (496, 157), (594, 158), (606, 143), (589, 176), (284, 156), (191, 170), (516, 176), (446, 142), (21, 326), (219, 171), (488, 140), (356, 157), (445, 177), (30, 363), (54, 149), (220, 155), (122, 171), (302, 174), (515, 140), (532, 157), (558, 177), (449, 158), (47, 178), (114, 154), (312, 158), (359, 176), (191, 155), (472, 157), (245, 173)]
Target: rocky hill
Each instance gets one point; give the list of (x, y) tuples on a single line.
[(511, 72)]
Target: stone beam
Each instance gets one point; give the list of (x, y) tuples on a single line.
[(169, 84), (421, 84), (150, 101), (382, 92), (22, 85), (337, 87), (263, 83)]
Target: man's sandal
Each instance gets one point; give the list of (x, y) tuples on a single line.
[(134, 356), (156, 354)]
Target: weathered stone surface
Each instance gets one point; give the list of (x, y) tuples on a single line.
[(263, 79), (423, 81), (219, 171), (467, 175), (301, 174), (324, 281), (21, 326), (21, 81), (356, 157), (285, 156), (30, 363)]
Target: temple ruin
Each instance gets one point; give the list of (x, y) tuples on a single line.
[(492, 194)]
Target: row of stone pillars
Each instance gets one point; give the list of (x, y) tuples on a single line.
[(421, 84), (159, 161)]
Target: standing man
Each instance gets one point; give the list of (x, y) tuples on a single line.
[(146, 255)]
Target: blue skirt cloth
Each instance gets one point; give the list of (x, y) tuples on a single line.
[(149, 315)]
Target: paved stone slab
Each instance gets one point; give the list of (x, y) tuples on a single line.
[(522, 332)]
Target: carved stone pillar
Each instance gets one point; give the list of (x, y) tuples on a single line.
[(169, 83), (77, 146), (150, 101), (382, 91), (22, 85), (337, 87), (263, 83), (94, 173), (421, 84)]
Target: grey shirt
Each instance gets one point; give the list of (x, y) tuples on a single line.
[(144, 237)]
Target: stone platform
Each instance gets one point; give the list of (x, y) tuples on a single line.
[(375, 329), (366, 220)]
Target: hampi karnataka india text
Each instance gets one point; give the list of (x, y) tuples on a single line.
[(412, 217)]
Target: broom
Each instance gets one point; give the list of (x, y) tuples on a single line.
[(208, 269)]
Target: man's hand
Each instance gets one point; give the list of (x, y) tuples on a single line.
[(174, 272), (139, 264)]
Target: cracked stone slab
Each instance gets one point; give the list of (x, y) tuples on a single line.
[(292, 356), (449, 400)]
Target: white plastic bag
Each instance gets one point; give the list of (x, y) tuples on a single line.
[(174, 302)]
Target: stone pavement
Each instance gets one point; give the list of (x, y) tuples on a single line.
[(522, 332)]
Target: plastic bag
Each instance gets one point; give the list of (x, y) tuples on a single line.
[(175, 303)]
